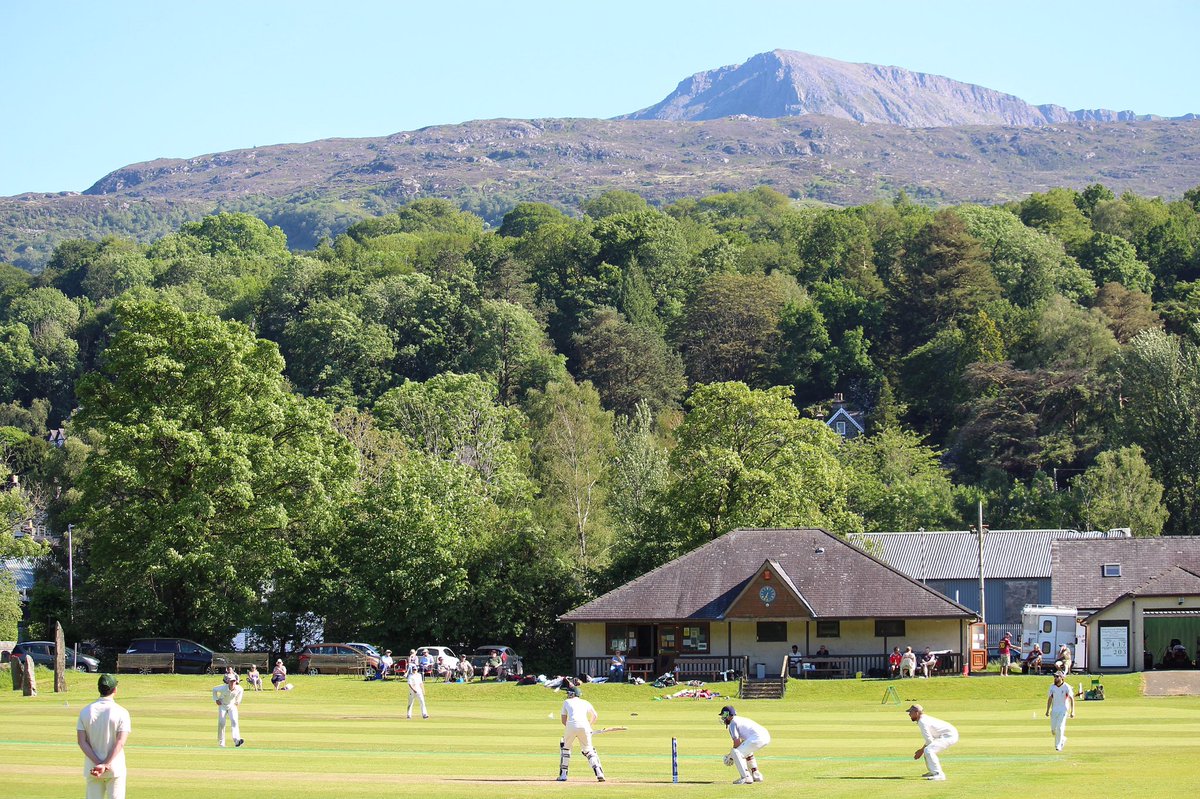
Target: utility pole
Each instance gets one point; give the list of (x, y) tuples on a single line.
[(982, 595), (71, 571)]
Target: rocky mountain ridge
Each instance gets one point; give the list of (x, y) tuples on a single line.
[(784, 83)]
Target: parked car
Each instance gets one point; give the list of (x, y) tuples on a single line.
[(190, 657), (366, 649), (42, 653), (323, 648), (446, 652), (513, 664)]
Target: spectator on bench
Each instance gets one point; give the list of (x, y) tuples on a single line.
[(928, 663), (1033, 661), (908, 663), (616, 668), (894, 661)]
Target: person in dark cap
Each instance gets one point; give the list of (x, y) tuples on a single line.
[(101, 732), (748, 737), (938, 736)]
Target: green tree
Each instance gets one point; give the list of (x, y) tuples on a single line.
[(1057, 212), (511, 348), (1119, 491), (10, 606), (745, 458), (1126, 312), (640, 474), (572, 452), (1160, 392), (458, 418), (1111, 259), (628, 365), (332, 352), (731, 329), (211, 477), (947, 279), (897, 483), (611, 203)]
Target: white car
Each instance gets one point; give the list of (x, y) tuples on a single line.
[(451, 659)]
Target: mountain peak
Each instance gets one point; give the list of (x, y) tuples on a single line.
[(785, 83)]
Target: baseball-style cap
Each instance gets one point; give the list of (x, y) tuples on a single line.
[(1008, 635), (1059, 674), (231, 678), (727, 711), (917, 708), (107, 683)]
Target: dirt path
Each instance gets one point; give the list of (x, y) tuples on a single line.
[(1172, 683)]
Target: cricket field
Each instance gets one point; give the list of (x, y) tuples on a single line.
[(342, 737)]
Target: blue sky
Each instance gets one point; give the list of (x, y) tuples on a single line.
[(87, 87)]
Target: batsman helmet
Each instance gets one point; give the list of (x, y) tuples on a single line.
[(727, 713)]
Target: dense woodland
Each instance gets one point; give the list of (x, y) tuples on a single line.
[(427, 430)]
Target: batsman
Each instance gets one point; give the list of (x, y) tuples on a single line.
[(577, 716)]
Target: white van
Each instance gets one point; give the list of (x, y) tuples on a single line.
[(1051, 626)]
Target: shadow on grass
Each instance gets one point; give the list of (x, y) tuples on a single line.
[(581, 780), (862, 778)]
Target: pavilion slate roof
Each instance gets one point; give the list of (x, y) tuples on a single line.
[(954, 554), (835, 579), (1078, 580)]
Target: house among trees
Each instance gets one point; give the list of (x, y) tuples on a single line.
[(745, 598), (1136, 597), (846, 423)]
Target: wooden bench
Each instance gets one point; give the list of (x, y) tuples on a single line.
[(708, 669), (826, 668), (639, 667), (145, 663), (241, 661), (339, 664)]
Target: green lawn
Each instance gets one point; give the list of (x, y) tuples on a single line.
[(340, 737)]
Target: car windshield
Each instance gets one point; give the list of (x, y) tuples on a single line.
[(366, 649)]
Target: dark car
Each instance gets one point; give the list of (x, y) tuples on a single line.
[(190, 657), (42, 653), (513, 666), (347, 651)]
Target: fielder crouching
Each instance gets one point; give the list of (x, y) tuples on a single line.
[(577, 716), (748, 737)]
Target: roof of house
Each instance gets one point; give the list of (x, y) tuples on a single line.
[(1079, 581), (835, 579), (22, 571), (1175, 581), (954, 554), (854, 417)]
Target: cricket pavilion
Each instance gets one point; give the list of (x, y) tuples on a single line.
[(740, 602)]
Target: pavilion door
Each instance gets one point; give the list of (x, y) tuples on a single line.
[(979, 650), (669, 637)]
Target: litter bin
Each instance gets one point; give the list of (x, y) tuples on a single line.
[(760, 670)]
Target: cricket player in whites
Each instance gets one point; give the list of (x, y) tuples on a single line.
[(416, 690), (228, 697), (577, 716), (1059, 702), (748, 737), (938, 735)]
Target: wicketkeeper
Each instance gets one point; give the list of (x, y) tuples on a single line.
[(748, 737)]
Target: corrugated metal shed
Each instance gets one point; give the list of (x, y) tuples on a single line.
[(22, 571), (954, 554)]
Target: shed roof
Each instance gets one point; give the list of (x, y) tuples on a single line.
[(954, 554), (1078, 567), (835, 579)]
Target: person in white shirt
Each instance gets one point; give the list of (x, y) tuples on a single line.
[(101, 732), (416, 690), (385, 665), (908, 663), (748, 737), (1059, 702), (228, 698), (938, 736), (577, 716)]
